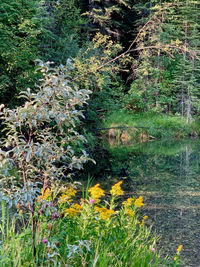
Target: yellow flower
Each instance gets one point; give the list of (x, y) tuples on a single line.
[(77, 207), (128, 202), (143, 219), (44, 194), (139, 202), (129, 212), (104, 212), (63, 198), (116, 189), (74, 209), (175, 258), (67, 195), (179, 248), (70, 191), (71, 211), (96, 192)]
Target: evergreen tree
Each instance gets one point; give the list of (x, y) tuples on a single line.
[(110, 17), (61, 24), (166, 72), (187, 73)]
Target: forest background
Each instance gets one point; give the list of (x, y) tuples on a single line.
[(156, 44)]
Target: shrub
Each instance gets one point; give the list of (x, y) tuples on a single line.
[(41, 137)]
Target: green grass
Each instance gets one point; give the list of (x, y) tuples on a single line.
[(158, 125)]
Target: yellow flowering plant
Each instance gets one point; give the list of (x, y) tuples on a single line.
[(67, 195), (177, 259), (115, 192), (139, 202), (179, 248), (100, 224), (96, 192), (116, 189)]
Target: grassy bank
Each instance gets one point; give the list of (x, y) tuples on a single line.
[(153, 126)]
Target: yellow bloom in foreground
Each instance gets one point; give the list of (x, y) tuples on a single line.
[(67, 195), (179, 248), (77, 207), (129, 212), (139, 202), (44, 194), (128, 202), (104, 212), (96, 192), (71, 211), (175, 258), (143, 219), (63, 198), (116, 189)]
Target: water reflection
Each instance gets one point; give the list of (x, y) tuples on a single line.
[(167, 175)]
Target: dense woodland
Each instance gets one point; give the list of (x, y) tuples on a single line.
[(68, 67), (142, 56)]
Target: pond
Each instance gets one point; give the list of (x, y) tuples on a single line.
[(167, 175)]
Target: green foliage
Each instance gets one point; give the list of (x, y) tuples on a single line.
[(101, 78), (61, 24), (167, 72), (41, 137), (30, 30), (108, 17), (19, 31)]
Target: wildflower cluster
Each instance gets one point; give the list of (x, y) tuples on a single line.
[(139, 202), (96, 192), (68, 208), (73, 229), (104, 212), (116, 189), (67, 195)]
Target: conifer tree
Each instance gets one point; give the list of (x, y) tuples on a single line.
[(109, 17), (166, 72), (61, 29)]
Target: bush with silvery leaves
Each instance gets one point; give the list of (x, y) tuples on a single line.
[(42, 143)]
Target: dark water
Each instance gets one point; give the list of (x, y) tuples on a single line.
[(167, 175)]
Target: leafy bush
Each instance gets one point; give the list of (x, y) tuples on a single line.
[(41, 143)]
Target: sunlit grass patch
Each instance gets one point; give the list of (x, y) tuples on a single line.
[(153, 124)]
